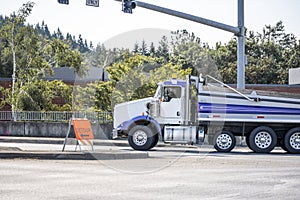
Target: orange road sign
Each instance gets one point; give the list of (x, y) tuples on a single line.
[(83, 129)]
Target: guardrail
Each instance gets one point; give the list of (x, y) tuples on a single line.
[(56, 116)]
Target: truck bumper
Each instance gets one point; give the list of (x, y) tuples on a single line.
[(114, 134)]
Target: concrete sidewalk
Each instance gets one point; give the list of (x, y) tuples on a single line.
[(51, 148), (54, 140)]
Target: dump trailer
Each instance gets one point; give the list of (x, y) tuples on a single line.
[(188, 111)]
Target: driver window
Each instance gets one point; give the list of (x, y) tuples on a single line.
[(170, 93)]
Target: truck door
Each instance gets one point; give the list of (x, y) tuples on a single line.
[(171, 102)]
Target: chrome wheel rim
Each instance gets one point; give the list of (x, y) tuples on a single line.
[(139, 138), (295, 140), (263, 140), (224, 141)]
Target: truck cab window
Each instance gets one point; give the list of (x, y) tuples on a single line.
[(170, 93)]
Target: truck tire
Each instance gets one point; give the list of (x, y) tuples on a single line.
[(292, 140), (247, 142), (282, 145), (141, 138), (262, 139), (156, 138), (224, 141)]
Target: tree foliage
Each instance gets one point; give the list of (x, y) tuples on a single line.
[(32, 57), (39, 96), (270, 55)]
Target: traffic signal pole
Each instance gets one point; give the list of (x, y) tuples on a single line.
[(238, 31), (241, 56)]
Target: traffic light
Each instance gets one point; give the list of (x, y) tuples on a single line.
[(94, 3), (63, 1), (128, 5)]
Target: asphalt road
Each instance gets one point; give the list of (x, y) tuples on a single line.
[(168, 173)]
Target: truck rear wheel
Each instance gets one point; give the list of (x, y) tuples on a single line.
[(292, 140), (248, 143), (224, 141), (262, 139), (141, 138), (282, 145)]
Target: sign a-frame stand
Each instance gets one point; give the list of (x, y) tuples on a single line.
[(83, 132)]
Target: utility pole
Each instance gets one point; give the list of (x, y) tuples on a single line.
[(237, 31)]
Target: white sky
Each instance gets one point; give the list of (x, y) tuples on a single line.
[(99, 24)]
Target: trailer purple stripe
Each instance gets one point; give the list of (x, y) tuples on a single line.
[(246, 109)]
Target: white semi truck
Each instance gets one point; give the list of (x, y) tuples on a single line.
[(187, 111)]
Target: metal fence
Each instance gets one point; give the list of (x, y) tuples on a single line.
[(55, 116)]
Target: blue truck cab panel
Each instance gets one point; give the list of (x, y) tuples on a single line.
[(139, 120)]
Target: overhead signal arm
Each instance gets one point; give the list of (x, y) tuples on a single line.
[(238, 31)]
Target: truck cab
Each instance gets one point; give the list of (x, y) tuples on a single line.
[(169, 115)]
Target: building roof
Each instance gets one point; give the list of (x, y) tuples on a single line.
[(69, 74)]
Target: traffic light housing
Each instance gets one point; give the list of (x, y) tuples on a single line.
[(63, 1), (128, 5)]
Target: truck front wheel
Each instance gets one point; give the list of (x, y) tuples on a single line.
[(141, 138), (224, 141), (292, 140), (262, 139)]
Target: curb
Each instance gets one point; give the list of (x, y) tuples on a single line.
[(73, 155)]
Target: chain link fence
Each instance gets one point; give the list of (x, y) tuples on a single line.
[(55, 116)]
